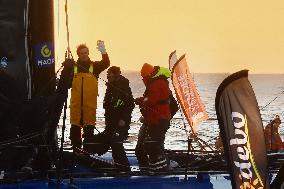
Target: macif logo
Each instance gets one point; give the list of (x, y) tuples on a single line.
[(45, 51), (4, 62), (44, 54), (245, 160)]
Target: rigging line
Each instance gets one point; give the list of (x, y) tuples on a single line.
[(29, 146), (22, 137), (18, 141), (205, 143), (58, 23), (67, 30), (272, 100), (28, 69), (282, 112), (58, 15), (100, 158)]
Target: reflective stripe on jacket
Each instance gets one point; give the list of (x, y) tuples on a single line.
[(83, 98)]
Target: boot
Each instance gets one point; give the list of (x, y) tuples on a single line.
[(75, 137), (88, 136), (158, 163), (142, 157)]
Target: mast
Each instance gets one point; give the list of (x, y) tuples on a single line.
[(27, 45), (42, 61)]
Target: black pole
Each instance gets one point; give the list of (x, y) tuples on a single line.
[(189, 140), (271, 133), (41, 47), (60, 156)]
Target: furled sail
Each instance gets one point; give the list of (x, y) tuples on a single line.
[(242, 132), (186, 92)]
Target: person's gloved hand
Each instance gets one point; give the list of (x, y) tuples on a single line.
[(101, 46), (68, 63)]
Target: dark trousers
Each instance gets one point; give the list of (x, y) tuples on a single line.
[(76, 135), (140, 150), (117, 135), (150, 147), (118, 152)]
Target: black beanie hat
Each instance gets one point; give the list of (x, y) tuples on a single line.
[(114, 69)]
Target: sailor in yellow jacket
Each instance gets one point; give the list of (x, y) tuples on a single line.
[(84, 93)]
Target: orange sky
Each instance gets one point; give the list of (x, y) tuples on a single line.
[(216, 35)]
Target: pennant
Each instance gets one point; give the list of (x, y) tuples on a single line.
[(242, 132), (186, 92)]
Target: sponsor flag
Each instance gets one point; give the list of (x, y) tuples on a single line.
[(186, 92), (242, 132)]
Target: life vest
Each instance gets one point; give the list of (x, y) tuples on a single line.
[(84, 94)]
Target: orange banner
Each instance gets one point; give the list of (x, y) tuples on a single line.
[(186, 92)]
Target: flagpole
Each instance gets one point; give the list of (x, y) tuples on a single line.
[(189, 141)]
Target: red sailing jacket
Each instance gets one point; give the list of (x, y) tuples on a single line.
[(273, 142), (154, 103)]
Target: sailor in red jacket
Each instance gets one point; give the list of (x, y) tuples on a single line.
[(156, 114), (272, 137)]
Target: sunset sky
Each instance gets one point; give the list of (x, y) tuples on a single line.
[(216, 35)]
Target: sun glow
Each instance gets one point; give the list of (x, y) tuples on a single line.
[(217, 36)]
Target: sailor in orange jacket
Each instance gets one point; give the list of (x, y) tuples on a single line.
[(84, 93), (272, 138)]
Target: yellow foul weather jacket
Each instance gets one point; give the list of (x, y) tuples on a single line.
[(85, 91)]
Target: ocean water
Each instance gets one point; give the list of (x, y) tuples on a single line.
[(268, 88)]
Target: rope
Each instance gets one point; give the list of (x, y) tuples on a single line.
[(101, 159), (272, 100), (68, 52), (19, 140)]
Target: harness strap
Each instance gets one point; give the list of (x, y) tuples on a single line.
[(91, 69)]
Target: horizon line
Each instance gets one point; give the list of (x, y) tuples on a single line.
[(255, 73)]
